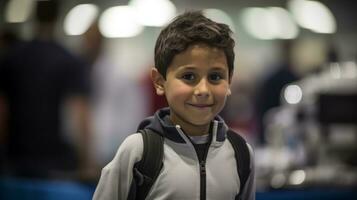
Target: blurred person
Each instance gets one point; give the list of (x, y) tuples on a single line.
[(269, 89), (117, 100), (7, 39), (39, 79)]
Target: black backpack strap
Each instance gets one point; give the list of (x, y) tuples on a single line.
[(148, 168), (242, 154)]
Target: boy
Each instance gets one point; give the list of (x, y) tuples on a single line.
[(194, 65)]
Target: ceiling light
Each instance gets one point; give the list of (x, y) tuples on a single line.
[(219, 16), (153, 12), (313, 15), (80, 18), (119, 22), (18, 11)]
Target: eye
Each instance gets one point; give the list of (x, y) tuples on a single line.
[(188, 77), (215, 77)]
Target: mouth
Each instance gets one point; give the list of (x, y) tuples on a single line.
[(200, 106)]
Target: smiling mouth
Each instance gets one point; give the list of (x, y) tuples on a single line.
[(201, 105)]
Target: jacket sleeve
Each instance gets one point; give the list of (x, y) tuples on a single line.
[(116, 177), (249, 188)]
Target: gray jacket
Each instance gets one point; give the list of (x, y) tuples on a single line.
[(180, 175)]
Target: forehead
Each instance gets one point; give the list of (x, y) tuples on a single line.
[(200, 55)]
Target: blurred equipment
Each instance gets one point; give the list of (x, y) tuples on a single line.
[(312, 137), (337, 108)]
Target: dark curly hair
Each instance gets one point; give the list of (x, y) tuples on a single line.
[(187, 29)]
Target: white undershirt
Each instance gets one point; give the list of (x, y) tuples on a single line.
[(202, 139)]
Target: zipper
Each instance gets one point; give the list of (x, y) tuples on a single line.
[(202, 163), (203, 190), (203, 179)]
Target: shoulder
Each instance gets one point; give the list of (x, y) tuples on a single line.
[(133, 144), (117, 176), (130, 150)]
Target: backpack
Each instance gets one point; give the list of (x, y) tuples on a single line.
[(147, 170)]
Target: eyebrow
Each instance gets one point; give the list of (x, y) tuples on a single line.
[(187, 67), (190, 67), (219, 69)]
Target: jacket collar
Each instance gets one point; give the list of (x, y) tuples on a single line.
[(161, 124)]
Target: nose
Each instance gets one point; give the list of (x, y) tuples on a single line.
[(202, 88)]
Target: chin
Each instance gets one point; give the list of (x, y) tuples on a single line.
[(201, 122)]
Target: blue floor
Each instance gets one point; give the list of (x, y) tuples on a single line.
[(22, 189), (309, 194), (16, 189)]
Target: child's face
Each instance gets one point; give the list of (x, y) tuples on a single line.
[(196, 87)]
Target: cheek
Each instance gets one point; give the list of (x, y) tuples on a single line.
[(220, 94), (177, 91), (222, 89)]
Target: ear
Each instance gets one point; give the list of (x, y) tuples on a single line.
[(158, 81), (229, 92)]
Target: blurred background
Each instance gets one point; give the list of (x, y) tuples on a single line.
[(74, 82)]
